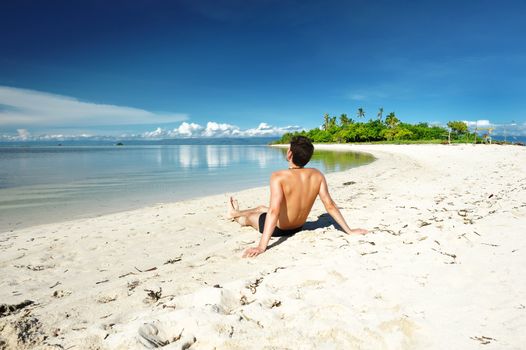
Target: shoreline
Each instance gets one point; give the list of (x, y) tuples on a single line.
[(39, 204), (89, 278)]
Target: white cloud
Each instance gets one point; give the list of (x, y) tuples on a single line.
[(214, 129), (157, 133), (483, 123), (184, 130), (23, 108), (265, 129), (189, 129), (508, 129), (23, 134)]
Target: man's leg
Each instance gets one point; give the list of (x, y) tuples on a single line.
[(247, 217)]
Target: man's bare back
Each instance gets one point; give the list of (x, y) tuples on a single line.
[(300, 188), (292, 195)]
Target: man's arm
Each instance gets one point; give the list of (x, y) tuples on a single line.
[(333, 210), (276, 197)]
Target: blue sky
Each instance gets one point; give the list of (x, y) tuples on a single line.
[(240, 67)]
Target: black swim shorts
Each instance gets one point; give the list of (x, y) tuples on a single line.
[(277, 231)]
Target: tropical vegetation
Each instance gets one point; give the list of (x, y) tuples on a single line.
[(389, 129)]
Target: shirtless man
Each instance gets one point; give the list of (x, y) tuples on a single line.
[(292, 194)]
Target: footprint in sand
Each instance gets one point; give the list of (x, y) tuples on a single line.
[(106, 299), (151, 336), (61, 293)]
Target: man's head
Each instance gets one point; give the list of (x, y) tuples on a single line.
[(301, 149)]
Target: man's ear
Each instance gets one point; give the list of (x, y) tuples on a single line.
[(289, 155)]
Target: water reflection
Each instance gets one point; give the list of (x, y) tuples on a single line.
[(224, 156), (220, 156), (330, 161), (67, 182), (188, 156), (339, 161)]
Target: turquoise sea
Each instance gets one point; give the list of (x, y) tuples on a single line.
[(42, 183)]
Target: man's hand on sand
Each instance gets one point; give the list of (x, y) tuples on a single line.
[(359, 231), (252, 252)]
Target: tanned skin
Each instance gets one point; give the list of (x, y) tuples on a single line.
[(292, 194)]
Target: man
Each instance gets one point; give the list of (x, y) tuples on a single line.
[(292, 194)]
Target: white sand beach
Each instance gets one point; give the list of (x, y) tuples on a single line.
[(442, 268)]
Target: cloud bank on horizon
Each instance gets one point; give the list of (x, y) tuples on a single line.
[(214, 129), (184, 130), (24, 109)]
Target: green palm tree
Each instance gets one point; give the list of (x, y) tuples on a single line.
[(325, 121), (360, 113), (380, 113), (391, 120), (332, 122), (344, 120)]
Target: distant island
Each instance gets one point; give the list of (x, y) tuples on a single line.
[(388, 130)]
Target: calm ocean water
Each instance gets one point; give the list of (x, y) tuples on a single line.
[(47, 183)]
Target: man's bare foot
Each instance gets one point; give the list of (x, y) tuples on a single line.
[(359, 231), (232, 208)]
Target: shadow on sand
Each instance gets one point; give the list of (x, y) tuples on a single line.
[(324, 220)]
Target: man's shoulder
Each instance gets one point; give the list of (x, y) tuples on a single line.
[(284, 173), (314, 171), (278, 173)]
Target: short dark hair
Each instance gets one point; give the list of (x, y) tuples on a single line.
[(302, 149)]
